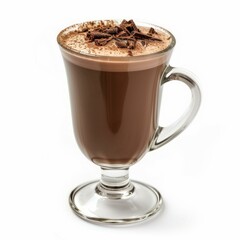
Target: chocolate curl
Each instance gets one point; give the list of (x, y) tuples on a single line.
[(143, 42), (102, 41), (129, 26), (131, 44), (140, 35), (124, 25), (122, 34), (152, 31), (122, 44), (111, 31), (130, 53), (134, 25), (126, 38), (96, 35)]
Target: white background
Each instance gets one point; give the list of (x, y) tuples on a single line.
[(40, 163)]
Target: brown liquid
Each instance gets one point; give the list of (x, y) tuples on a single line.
[(114, 104), (114, 113)]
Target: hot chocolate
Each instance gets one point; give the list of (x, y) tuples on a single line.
[(114, 72)]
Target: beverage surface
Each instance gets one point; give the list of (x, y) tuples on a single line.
[(110, 38)]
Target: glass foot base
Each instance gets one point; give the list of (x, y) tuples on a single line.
[(143, 203)]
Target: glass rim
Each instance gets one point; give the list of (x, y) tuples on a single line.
[(119, 58)]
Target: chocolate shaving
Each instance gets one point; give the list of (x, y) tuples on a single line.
[(122, 44), (140, 35), (129, 26), (130, 53), (134, 26), (112, 31), (85, 29), (152, 31), (96, 35), (143, 42), (125, 36), (131, 44), (126, 43), (122, 34), (124, 25), (102, 41)]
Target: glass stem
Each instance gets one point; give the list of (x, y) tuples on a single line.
[(115, 183)]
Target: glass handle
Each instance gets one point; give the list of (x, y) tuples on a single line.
[(165, 134)]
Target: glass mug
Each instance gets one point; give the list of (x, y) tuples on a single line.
[(115, 104)]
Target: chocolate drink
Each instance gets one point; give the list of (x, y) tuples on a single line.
[(114, 88)]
